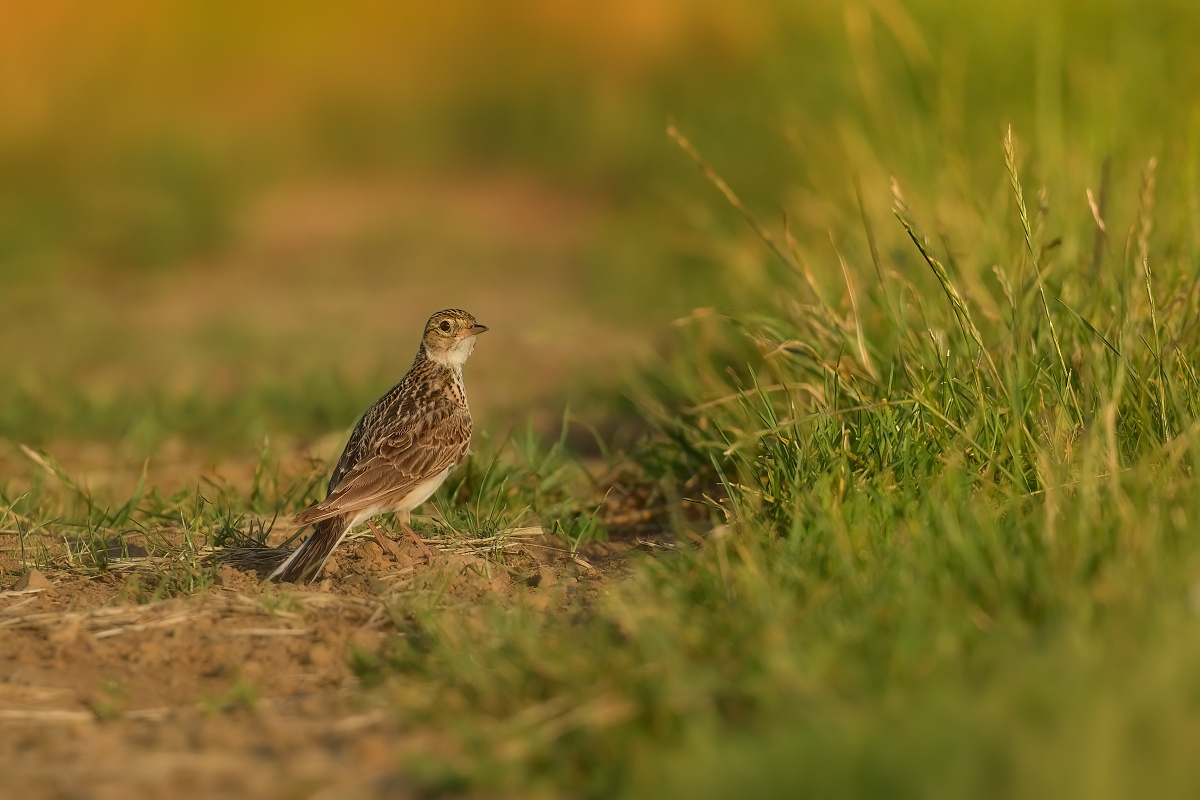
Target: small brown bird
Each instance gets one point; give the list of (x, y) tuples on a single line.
[(401, 450)]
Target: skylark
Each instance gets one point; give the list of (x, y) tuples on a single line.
[(401, 450)]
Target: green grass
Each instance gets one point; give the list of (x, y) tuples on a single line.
[(955, 550), (141, 418)]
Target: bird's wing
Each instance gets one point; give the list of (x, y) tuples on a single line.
[(420, 448)]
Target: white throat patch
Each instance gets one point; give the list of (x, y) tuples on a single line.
[(456, 356)]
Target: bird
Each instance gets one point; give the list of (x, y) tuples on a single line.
[(401, 450)]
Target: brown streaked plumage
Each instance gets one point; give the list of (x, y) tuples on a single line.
[(401, 450)]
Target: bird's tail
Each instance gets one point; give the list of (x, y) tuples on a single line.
[(306, 560)]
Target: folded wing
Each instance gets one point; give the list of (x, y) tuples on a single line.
[(413, 453)]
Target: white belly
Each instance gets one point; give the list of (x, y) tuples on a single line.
[(422, 491), (419, 494)]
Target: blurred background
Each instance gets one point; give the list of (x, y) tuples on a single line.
[(223, 221)]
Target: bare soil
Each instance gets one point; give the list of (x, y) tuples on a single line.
[(245, 689)]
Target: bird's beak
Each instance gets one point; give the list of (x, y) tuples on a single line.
[(475, 330)]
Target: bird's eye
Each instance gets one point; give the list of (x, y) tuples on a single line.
[(445, 326)]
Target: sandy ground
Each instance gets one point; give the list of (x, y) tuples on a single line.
[(243, 689)]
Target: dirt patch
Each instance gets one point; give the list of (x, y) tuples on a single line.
[(244, 688)]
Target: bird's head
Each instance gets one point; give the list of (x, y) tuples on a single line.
[(450, 337)]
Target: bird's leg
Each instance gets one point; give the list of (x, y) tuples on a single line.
[(378, 536), (424, 547)]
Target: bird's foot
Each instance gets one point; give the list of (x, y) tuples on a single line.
[(382, 542), (420, 543)]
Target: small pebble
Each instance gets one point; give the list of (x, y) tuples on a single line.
[(34, 579)]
